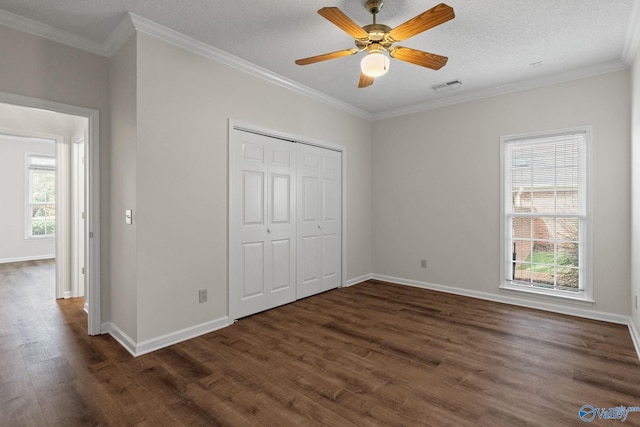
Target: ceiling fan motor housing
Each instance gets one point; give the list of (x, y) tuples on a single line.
[(373, 6)]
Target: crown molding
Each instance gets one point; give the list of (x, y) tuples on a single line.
[(156, 30), (581, 73), (119, 35), (30, 26), (132, 23), (633, 35)]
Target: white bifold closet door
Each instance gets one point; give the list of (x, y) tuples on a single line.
[(319, 220), (285, 223), (262, 234)]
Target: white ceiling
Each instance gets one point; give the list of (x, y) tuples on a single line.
[(491, 44)]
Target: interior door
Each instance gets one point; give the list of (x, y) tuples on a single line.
[(262, 242), (319, 220)]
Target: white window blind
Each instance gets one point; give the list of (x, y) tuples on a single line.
[(545, 210)]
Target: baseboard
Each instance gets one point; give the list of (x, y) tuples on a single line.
[(357, 280), (144, 347), (27, 258), (508, 299), (634, 336), (117, 334), (138, 349)]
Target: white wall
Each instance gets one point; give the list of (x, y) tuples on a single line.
[(13, 245), (635, 196), (184, 102), (40, 68), (123, 286), (437, 178)]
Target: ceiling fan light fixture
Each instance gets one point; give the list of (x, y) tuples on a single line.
[(375, 64), (376, 39)]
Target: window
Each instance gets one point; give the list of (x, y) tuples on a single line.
[(544, 213), (41, 196)]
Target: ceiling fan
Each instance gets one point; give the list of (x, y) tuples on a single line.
[(378, 38)]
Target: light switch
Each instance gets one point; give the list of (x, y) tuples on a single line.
[(128, 216)]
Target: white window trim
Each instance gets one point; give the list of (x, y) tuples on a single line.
[(27, 195), (586, 293)]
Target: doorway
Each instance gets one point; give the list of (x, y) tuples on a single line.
[(77, 191)]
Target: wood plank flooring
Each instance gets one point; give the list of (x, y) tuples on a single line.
[(369, 355)]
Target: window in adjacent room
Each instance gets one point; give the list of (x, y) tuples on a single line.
[(41, 196), (545, 215)]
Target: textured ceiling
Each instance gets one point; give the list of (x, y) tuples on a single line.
[(491, 44)]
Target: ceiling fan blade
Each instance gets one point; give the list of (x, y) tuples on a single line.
[(418, 57), (365, 80), (326, 56), (338, 18), (433, 17)]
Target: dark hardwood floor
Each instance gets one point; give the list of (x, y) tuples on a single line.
[(371, 354)]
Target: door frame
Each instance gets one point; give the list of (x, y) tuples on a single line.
[(236, 125), (92, 213), (78, 204)]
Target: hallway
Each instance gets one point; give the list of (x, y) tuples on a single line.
[(43, 344)]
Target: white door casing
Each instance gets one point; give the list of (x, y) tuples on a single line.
[(77, 216)]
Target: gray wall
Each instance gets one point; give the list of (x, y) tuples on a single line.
[(123, 256), (437, 186), (178, 185)]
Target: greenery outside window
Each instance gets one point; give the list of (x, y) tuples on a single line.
[(41, 196)]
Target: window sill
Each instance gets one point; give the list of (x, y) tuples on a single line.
[(565, 295), (40, 238)]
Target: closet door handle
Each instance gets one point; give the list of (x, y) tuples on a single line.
[(269, 230), (319, 227)]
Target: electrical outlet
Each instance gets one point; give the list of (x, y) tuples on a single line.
[(202, 295), (423, 263)]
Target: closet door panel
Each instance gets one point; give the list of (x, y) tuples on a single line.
[(285, 222), (247, 225), (262, 221), (331, 221), (281, 265), (252, 198), (252, 270), (281, 228), (320, 220), (309, 229)]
